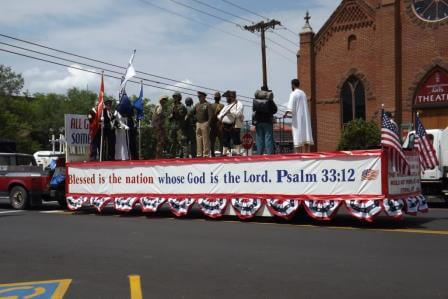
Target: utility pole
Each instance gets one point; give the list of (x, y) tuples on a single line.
[(262, 27)]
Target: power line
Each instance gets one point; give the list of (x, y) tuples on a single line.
[(286, 39), (99, 73), (196, 21), (245, 9), (223, 11), (117, 66), (107, 63), (93, 66), (227, 21), (263, 17)]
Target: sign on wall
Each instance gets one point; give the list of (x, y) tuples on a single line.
[(77, 137), (433, 91)]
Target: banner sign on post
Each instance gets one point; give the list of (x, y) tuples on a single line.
[(77, 137), (243, 186)]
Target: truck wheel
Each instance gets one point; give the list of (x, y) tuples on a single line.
[(19, 198)]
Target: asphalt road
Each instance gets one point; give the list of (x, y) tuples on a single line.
[(198, 258)]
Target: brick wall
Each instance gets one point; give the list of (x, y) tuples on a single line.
[(373, 57)]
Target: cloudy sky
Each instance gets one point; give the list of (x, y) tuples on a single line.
[(210, 52)]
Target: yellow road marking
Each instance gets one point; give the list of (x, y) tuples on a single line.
[(393, 230), (136, 288)]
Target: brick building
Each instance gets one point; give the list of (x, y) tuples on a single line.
[(374, 52)]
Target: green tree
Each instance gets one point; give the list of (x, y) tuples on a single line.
[(10, 82), (359, 134)]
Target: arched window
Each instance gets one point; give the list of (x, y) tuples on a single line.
[(353, 100), (352, 40)]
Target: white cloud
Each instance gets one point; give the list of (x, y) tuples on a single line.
[(166, 45)]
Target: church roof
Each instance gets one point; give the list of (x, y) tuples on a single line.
[(349, 15)]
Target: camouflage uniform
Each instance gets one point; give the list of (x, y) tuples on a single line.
[(177, 137), (215, 132), (190, 129), (158, 120)]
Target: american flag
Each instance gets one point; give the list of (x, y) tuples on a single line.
[(391, 141), (369, 175), (427, 153)]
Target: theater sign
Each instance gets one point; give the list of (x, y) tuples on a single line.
[(433, 91)]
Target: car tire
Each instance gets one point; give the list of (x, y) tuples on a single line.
[(19, 198)]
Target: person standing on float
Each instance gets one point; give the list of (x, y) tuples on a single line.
[(232, 118), (301, 121)]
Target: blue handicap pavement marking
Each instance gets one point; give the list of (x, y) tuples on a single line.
[(51, 289)]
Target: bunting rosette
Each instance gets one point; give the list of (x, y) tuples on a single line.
[(422, 204), (412, 204), (125, 204), (284, 208), (322, 209), (212, 207), (180, 207), (76, 203), (364, 209), (394, 207), (246, 208), (151, 204), (100, 202)]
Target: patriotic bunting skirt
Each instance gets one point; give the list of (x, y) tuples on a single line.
[(247, 207)]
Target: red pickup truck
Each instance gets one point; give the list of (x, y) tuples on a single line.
[(25, 183)]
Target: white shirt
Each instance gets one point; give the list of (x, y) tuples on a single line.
[(232, 113), (301, 120)]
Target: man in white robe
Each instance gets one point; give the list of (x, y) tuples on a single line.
[(301, 120)]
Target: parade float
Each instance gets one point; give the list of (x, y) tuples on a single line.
[(248, 186)]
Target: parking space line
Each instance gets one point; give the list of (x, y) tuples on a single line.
[(135, 286)]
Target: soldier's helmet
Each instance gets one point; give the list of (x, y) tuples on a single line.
[(177, 96), (188, 101)]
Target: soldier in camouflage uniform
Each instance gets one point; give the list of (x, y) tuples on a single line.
[(215, 132), (158, 120), (190, 128), (177, 119)]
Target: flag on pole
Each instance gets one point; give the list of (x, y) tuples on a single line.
[(391, 141), (95, 124), (130, 72), (125, 106), (138, 104), (424, 146)]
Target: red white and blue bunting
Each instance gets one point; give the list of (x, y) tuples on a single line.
[(246, 208), (151, 204), (322, 209), (284, 208), (394, 207), (212, 207), (364, 209), (125, 204), (180, 207)]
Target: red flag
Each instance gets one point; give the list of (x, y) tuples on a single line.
[(95, 124)]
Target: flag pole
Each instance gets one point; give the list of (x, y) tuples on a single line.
[(102, 124), (140, 133)]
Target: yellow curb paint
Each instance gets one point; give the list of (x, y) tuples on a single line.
[(136, 288)]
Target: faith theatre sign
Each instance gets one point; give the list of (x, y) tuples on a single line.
[(434, 90)]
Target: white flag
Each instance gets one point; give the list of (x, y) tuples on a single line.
[(130, 72)]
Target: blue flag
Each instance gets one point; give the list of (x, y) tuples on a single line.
[(138, 105), (125, 106)]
